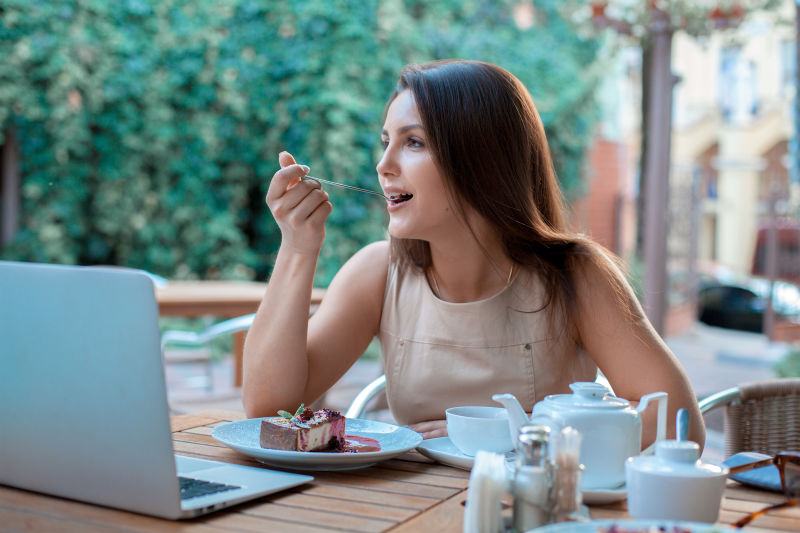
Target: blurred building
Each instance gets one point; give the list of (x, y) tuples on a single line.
[(733, 119), (732, 129)]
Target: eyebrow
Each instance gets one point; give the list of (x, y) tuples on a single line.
[(404, 129)]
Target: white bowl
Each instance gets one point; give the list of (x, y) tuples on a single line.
[(473, 428), (674, 484)]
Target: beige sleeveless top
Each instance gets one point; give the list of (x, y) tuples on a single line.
[(439, 354)]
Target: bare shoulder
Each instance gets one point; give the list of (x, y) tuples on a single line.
[(606, 302), (364, 274), (376, 251), (595, 268), (372, 261)]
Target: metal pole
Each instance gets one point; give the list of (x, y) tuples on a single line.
[(694, 237), (772, 258), (794, 144), (9, 176), (657, 172)]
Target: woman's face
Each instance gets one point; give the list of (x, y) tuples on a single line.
[(419, 205)]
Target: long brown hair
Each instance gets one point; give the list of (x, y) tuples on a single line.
[(489, 143)]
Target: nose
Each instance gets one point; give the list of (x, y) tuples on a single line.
[(387, 166)]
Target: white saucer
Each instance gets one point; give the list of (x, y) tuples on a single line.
[(443, 450), (603, 496), (632, 525)]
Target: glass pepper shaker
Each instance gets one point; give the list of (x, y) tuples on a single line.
[(531, 484)]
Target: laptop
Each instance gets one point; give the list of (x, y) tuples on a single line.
[(83, 400)]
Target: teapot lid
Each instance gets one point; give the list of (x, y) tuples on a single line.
[(677, 458), (588, 394)]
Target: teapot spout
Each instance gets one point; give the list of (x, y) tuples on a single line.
[(516, 414)]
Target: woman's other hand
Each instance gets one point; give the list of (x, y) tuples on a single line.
[(300, 207), (430, 429)]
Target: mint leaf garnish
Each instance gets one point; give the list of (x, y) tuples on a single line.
[(300, 424), (300, 409), (285, 414)]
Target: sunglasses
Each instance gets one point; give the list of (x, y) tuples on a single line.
[(788, 464)]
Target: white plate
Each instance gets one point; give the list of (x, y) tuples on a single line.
[(631, 525), (243, 436), (443, 450), (603, 496)]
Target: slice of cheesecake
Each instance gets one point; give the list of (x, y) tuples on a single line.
[(306, 431)]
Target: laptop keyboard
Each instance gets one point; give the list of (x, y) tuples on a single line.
[(193, 488)]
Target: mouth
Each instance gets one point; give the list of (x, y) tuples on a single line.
[(397, 199)]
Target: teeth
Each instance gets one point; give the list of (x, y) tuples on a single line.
[(400, 197)]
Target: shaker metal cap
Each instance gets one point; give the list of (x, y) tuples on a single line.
[(532, 443)]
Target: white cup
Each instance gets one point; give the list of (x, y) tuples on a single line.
[(674, 484), (473, 428)]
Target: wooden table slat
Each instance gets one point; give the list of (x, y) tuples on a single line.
[(353, 507), (422, 478), (195, 438), (386, 499), (183, 422), (80, 516), (337, 518), (15, 520), (409, 464), (400, 487), (769, 520), (238, 521), (445, 516)]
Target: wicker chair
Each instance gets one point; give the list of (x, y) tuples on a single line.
[(763, 416)]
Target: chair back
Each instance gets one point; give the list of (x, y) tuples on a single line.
[(765, 418)]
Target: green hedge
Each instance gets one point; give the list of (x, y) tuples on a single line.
[(149, 129)]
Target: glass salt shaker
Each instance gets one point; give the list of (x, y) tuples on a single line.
[(530, 487)]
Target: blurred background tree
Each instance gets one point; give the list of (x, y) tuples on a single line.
[(148, 130)]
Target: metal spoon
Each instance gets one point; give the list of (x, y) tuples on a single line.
[(342, 185)]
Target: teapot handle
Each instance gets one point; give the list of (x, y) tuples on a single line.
[(661, 421)]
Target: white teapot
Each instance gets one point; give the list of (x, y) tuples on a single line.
[(610, 426)]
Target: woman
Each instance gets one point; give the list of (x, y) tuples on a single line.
[(480, 289)]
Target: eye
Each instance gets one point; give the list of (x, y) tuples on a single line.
[(415, 143), (385, 143)]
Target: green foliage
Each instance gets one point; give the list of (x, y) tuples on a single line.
[(149, 129), (789, 366)]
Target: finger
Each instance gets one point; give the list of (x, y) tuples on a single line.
[(297, 193), (320, 213), (434, 434), (309, 204), (285, 159), (285, 179), (430, 426)]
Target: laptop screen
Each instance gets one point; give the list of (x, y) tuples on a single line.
[(83, 405)]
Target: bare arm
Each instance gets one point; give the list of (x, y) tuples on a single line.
[(289, 359), (614, 330), (275, 344)]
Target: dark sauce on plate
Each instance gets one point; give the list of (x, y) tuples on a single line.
[(351, 444)]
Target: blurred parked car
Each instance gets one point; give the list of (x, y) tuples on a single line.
[(741, 303)]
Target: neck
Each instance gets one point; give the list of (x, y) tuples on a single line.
[(466, 277)]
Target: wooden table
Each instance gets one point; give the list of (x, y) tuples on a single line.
[(406, 494), (227, 299)]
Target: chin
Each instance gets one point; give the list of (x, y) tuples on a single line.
[(402, 233)]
